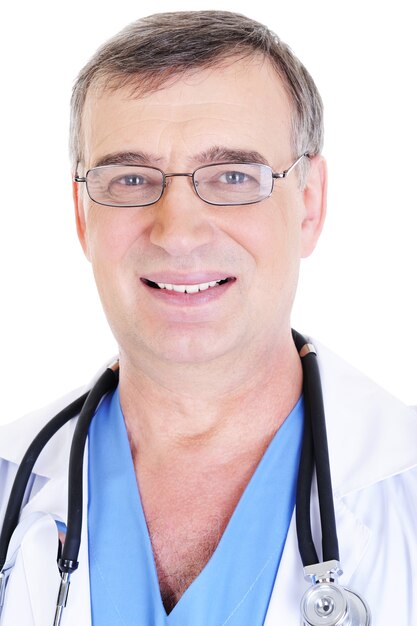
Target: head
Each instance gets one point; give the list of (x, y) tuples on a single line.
[(159, 49), (187, 89)]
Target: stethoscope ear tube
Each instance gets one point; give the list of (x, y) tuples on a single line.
[(68, 561), (106, 383), (315, 453), (330, 543), (20, 483), (306, 545)]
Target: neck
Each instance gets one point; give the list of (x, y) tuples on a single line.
[(219, 408)]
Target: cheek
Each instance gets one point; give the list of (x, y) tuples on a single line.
[(272, 236), (276, 246), (110, 234)]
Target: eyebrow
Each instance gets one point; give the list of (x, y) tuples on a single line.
[(127, 158), (211, 155), (235, 155)]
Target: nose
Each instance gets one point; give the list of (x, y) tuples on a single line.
[(182, 220)]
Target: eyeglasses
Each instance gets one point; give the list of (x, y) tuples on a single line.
[(220, 184)]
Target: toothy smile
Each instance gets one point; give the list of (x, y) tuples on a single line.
[(196, 288)]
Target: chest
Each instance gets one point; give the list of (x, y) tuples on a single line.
[(181, 549), (186, 520)]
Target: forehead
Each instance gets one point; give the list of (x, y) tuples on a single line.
[(242, 105)]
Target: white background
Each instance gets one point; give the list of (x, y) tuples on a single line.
[(357, 292)]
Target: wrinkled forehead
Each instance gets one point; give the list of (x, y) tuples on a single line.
[(244, 103)]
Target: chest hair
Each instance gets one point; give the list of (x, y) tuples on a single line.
[(186, 522), (181, 553)]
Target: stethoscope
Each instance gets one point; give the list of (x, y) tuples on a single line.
[(325, 603)]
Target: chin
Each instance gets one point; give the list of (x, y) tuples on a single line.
[(183, 347), (192, 351)]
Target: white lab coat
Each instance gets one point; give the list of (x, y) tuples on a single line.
[(373, 450)]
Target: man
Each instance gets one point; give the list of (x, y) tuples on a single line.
[(198, 186)]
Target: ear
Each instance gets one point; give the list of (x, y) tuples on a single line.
[(80, 218), (315, 204)]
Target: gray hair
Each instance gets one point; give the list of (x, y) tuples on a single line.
[(152, 51)]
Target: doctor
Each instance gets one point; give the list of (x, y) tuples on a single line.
[(192, 460)]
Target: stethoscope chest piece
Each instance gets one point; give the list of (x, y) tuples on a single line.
[(327, 603), (324, 604)]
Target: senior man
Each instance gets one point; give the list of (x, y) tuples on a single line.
[(198, 187)]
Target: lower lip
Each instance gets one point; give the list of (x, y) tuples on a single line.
[(177, 298)]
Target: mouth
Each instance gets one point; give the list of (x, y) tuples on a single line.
[(189, 289)]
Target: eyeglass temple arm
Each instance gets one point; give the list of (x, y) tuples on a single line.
[(79, 179), (285, 173)]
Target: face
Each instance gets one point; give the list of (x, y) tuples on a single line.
[(249, 255)]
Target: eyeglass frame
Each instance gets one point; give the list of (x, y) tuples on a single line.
[(275, 176)]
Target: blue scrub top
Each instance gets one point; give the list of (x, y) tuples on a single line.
[(235, 586)]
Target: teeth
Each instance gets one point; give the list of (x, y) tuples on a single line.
[(190, 288)]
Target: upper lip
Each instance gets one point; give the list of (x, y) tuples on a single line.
[(194, 278)]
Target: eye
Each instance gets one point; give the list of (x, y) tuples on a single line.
[(131, 180), (233, 177)]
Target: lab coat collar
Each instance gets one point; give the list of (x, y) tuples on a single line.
[(371, 434), (17, 436)]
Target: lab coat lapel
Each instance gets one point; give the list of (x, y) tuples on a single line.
[(39, 576), (40, 567), (32, 588)]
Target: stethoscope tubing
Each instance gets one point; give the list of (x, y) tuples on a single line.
[(25, 469), (306, 547), (106, 383), (314, 455), (330, 546)]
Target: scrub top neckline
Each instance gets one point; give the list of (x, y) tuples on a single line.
[(118, 519)]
